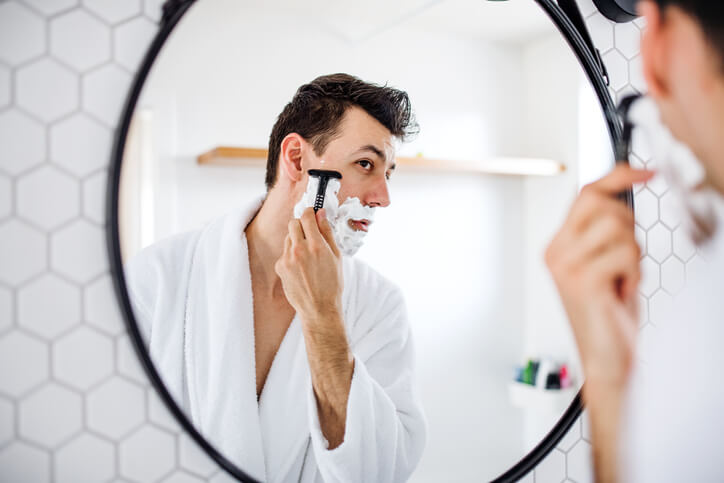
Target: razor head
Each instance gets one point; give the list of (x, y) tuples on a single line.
[(325, 173)]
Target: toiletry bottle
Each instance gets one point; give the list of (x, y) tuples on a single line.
[(565, 379)]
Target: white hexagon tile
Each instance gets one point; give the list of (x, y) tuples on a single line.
[(76, 406)]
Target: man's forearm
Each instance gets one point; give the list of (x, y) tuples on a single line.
[(331, 365), (604, 405)]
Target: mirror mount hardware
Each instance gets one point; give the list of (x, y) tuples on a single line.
[(172, 7), (570, 8), (620, 11)]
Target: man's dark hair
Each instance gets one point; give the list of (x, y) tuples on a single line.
[(317, 108), (709, 14)]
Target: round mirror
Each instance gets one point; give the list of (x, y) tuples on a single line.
[(459, 364)]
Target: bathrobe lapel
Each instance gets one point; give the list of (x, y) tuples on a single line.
[(283, 405), (219, 344)]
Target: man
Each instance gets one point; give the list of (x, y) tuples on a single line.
[(294, 361), (662, 420)]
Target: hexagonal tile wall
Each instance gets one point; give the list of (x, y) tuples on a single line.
[(22, 462), (112, 11), (660, 305), (65, 66), (50, 415), (80, 40), (47, 89), (78, 251), (96, 86), (7, 308), (94, 196), (100, 307), (51, 7), (18, 350), (71, 355), (130, 41), (59, 311), (181, 477), (127, 362), (115, 408), (85, 458), (83, 158), (47, 197), (5, 86), (6, 197), (22, 252), (7, 416), (22, 142), (22, 33), (553, 467), (134, 450), (193, 460)]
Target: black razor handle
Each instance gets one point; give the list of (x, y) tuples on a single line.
[(319, 199), (623, 147), (323, 175)]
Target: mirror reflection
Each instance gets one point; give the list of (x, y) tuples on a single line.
[(409, 330)]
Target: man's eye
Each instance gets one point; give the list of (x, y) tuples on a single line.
[(365, 164)]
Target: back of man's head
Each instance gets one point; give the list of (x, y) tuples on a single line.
[(709, 14), (317, 109)]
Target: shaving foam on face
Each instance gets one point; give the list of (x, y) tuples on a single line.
[(348, 239), (682, 171)]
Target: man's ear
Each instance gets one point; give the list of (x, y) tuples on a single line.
[(290, 157), (653, 49)]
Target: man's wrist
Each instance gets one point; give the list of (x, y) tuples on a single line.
[(319, 312)]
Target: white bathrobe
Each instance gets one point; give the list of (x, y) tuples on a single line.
[(673, 424), (192, 298)]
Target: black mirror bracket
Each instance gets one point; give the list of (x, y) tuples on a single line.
[(570, 7), (171, 7)]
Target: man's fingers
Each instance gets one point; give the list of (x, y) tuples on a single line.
[(590, 206), (309, 225), (621, 178), (603, 232), (296, 235), (326, 229), (621, 262)]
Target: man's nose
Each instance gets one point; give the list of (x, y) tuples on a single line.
[(379, 195)]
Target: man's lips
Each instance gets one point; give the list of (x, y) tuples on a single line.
[(360, 225)]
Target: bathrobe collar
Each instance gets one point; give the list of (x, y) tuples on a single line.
[(220, 359)]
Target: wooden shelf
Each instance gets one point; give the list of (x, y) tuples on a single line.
[(256, 157)]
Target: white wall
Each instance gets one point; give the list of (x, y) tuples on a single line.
[(240, 79)]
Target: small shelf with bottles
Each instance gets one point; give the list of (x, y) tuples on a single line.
[(542, 384)]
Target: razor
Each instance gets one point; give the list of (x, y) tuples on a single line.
[(324, 175)]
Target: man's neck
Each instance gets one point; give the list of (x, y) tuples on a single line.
[(265, 236)]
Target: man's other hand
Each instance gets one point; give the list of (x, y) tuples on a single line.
[(594, 260)]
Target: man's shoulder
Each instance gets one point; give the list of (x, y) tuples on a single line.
[(164, 261), (365, 273), (366, 283), (166, 252)]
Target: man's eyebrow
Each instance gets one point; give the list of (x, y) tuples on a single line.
[(373, 148)]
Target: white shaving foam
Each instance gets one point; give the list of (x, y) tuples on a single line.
[(348, 239), (681, 169)]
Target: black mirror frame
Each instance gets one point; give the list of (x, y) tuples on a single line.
[(173, 11)]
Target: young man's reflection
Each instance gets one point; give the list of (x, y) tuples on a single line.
[(671, 425), (295, 361)]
